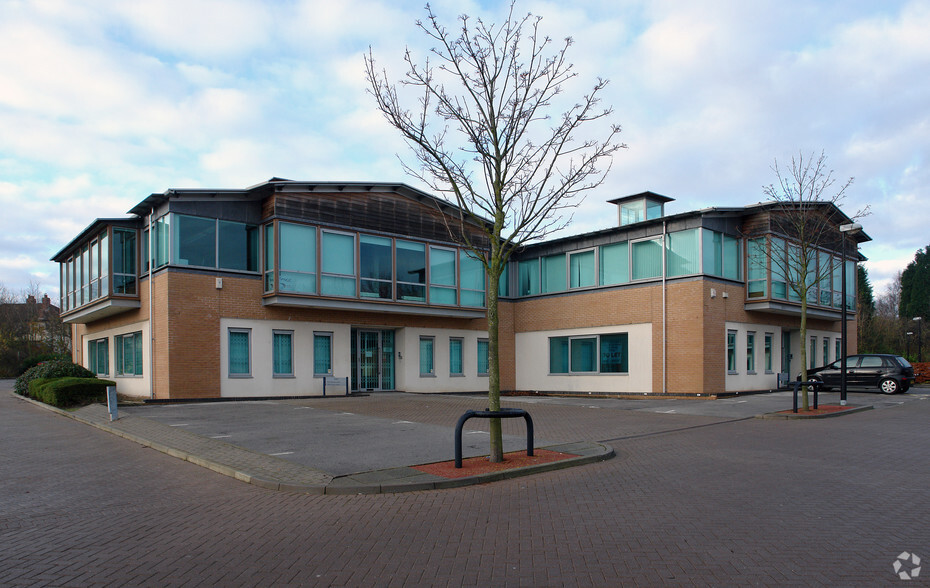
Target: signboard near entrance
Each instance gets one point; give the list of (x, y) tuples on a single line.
[(333, 386)]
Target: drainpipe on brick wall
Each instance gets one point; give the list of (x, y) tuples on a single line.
[(151, 313), (664, 310)]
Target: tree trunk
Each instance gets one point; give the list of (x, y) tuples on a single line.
[(494, 365), (805, 402)]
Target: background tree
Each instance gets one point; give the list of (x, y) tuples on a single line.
[(806, 197), (865, 310), (915, 286), (915, 295), (30, 327), (478, 120)]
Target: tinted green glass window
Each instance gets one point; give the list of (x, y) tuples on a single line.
[(756, 273), (483, 358), (471, 279), (322, 353), (194, 241), (269, 257), (779, 283), (731, 258), (297, 263), (411, 271), (615, 264), (632, 212), (647, 259), (375, 267), (684, 253), (553, 273), (282, 353), (713, 252), (558, 355), (238, 246), (583, 354), (124, 261), (455, 357), (529, 277), (239, 364), (337, 254), (615, 354), (581, 269), (442, 276), (426, 356)]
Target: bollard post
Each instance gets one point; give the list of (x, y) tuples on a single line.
[(111, 403)]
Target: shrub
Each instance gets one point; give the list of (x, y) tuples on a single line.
[(34, 360), (68, 392), (50, 369)]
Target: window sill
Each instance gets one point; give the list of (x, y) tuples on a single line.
[(731, 373), (427, 375), (456, 375), (240, 376), (283, 376)]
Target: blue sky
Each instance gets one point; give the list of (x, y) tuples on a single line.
[(105, 102)]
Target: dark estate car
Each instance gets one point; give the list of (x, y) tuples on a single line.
[(889, 373)]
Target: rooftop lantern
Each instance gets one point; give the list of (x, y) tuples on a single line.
[(640, 207)]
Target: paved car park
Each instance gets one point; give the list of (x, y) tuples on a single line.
[(691, 499)]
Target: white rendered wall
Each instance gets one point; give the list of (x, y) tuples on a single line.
[(262, 382), (407, 361), (532, 362), (138, 386), (742, 379)]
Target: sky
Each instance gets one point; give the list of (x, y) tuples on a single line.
[(103, 102)]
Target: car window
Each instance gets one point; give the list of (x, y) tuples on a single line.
[(836, 364), (870, 361), (852, 360), (904, 363)]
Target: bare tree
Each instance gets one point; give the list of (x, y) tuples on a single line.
[(807, 197), (482, 136)]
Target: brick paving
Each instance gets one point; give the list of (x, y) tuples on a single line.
[(688, 501)]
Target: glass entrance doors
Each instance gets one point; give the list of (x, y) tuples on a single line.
[(372, 359)]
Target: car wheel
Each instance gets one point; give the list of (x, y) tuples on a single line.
[(889, 386)]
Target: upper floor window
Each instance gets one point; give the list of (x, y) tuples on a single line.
[(195, 241)]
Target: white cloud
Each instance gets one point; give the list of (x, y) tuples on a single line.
[(104, 103)]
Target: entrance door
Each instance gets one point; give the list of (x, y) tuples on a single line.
[(369, 360), (786, 354), (372, 359)]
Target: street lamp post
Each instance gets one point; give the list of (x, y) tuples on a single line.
[(920, 356), (907, 343), (847, 229)]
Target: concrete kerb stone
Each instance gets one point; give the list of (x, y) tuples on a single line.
[(391, 480), (799, 416)]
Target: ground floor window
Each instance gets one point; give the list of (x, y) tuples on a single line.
[(239, 352), (826, 351), (282, 353), (483, 357), (768, 352), (128, 354), (426, 356), (587, 354), (322, 354), (455, 356), (731, 352), (751, 351), (98, 356)]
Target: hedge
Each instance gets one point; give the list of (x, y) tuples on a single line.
[(51, 369), (67, 392)]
